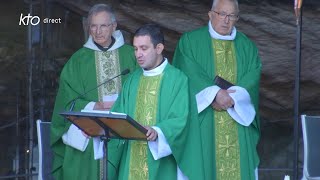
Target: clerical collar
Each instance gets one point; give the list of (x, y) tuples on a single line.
[(163, 59), (156, 71), (117, 35), (105, 48), (216, 35)]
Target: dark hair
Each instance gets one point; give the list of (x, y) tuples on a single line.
[(152, 30)]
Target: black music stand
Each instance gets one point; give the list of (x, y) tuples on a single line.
[(107, 125)]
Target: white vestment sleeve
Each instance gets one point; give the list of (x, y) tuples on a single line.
[(205, 97), (74, 138), (180, 175), (243, 110), (160, 147), (98, 148)]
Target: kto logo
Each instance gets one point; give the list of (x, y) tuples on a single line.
[(25, 20)]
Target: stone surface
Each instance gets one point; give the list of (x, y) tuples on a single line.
[(271, 25)]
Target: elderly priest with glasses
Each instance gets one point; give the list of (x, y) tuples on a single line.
[(102, 57), (228, 117)]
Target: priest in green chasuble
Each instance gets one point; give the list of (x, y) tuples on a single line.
[(157, 97), (103, 56), (229, 118)]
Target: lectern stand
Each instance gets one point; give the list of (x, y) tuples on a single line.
[(107, 125)]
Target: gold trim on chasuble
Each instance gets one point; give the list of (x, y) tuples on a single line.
[(107, 66), (226, 129), (145, 114)]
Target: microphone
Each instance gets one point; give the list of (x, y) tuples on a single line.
[(73, 101)]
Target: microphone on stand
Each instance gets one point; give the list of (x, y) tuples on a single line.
[(73, 101)]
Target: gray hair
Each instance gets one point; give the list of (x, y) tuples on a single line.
[(235, 2), (101, 8)]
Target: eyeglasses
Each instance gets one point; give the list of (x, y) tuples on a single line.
[(102, 27), (232, 17)]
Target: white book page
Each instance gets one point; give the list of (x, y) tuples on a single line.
[(95, 111), (101, 112)]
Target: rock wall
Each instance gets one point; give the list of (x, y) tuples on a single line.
[(270, 24)]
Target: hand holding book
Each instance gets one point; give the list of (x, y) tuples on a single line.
[(226, 102)]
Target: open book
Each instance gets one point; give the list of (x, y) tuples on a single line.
[(101, 112)]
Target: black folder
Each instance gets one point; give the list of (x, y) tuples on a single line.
[(222, 83)]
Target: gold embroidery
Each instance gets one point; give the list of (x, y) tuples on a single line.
[(226, 130), (145, 114), (108, 66)]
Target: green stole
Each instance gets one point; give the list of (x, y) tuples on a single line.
[(107, 66), (145, 114), (226, 129)]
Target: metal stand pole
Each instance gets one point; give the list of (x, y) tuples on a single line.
[(105, 138), (297, 98)]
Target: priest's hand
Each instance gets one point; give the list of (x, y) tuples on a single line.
[(216, 106), (223, 99), (104, 106), (152, 134)]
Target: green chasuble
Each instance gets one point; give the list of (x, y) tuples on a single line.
[(84, 70), (200, 58), (161, 101)]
